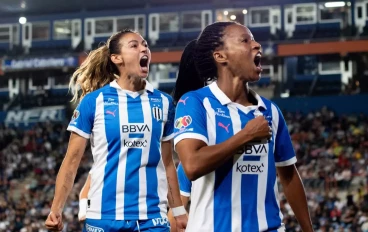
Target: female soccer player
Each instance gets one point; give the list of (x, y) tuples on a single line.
[(130, 127), (223, 138)]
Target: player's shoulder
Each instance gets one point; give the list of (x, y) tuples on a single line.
[(272, 107), (198, 95), (160, 93), (271, 104), (267, 102), (92, 96)]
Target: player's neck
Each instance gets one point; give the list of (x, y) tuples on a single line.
[(134, 84), (235, 89)]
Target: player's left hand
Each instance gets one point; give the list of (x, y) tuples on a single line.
[(181, 222)]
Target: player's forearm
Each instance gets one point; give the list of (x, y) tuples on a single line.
[(209, 158), (173, 186), (64, 182), (295, 195)]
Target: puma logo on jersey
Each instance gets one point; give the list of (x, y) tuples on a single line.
[(111, 112), (183, 101), (223, 126)]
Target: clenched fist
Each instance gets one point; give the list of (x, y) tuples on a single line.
[(258, 129)]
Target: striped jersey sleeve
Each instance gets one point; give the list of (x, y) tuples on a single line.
[(83, 117), (190, 119)]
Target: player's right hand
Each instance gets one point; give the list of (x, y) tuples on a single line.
[(258, 128), (54, 222)]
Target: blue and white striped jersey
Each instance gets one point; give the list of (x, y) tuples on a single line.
[(125, 129), (242, 194), (185, 185)]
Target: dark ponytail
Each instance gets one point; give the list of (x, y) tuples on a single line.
[(188, 77), (197, 65)]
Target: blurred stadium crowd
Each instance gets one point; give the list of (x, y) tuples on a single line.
[(332, 156)]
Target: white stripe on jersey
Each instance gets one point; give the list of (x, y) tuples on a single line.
[(146, 108), (275, 125), (236, 180), (165, 109), (211, 121), (211, 130), (162, 188), (97, 176), (200, 217), (79, 132), (120, 182), (261, 193)]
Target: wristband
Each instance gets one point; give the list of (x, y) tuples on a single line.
[(178, 211), (82, 208)]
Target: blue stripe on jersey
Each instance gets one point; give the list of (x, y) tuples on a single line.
[(108, 203), (133, 162), (271, 206), (223, 177), (251, 158), (136, 136), (249, 183), (152, 199)]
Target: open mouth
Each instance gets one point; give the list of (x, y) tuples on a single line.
[(144, 63), (257, 60)]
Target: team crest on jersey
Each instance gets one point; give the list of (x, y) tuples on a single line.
[(157, 113), (75, 114), (183, 122)]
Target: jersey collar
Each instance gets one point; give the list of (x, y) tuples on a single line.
[(224, 100), (148, 87)]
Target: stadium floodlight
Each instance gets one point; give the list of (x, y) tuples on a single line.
[(22, 20), (334, 4)]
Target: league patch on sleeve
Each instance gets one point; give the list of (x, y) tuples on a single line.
[(75, 115), (183, 122)]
